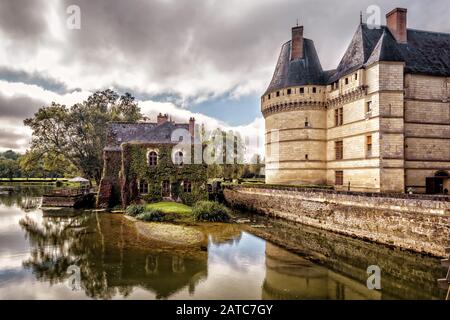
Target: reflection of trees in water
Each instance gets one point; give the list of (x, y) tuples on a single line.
[(26, 198), (101, 246)]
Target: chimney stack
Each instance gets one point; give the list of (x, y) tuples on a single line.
[(162, 118), (192, 127), (297, 43), (396, 23)]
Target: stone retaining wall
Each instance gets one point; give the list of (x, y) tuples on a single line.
[(421, 224)]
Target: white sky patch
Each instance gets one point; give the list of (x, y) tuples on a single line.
[(253, 132), (33, 91)]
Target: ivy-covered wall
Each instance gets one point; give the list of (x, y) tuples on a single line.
[(109, 194), (135, 168)]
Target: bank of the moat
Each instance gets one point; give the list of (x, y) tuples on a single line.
[(237, 261), (414, 222)]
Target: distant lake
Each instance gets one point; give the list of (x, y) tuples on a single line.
[(38, 247)]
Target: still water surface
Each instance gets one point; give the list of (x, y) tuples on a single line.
[(38, 246)]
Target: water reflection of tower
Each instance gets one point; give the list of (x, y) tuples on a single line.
[(289, 276)]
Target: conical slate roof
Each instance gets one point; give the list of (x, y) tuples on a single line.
[(297, 72), (425, 53)]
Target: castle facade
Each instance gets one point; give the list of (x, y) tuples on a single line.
[(380, 122)]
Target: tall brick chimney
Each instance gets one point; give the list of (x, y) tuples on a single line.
[(192, 126), (396, 23), (162, 118), (297, 43)]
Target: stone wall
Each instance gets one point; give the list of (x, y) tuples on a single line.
[(415, 222)]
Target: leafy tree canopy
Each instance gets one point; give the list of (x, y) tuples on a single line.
[(77, 134)]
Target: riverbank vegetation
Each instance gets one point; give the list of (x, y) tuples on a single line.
[(202, 211)]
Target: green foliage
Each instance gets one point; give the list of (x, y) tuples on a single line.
[(134, 210), (137, 168), (78, 133), (10, 154), (210, 211), (152, 215)]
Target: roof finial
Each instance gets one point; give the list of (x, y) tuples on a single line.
[(297, 22), (360, 17)]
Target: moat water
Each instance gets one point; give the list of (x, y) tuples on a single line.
[(260, 259)]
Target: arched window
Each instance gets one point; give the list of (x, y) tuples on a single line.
[(152, 159), (179, 158), (187, 186)]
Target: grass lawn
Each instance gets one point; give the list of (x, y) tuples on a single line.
[(170, 207)]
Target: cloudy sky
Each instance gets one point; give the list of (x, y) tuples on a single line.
[(208, 58)]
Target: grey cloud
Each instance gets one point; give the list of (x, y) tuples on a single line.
[(17, 108), (165, 41), (48, 83), (23, 19), (11, 140)]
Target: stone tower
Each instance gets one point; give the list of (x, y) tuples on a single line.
[(295, 115)]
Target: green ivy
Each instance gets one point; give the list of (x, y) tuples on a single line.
[(135, 167)]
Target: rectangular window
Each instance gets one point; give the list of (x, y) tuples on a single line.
[(278, 93), (338, 117), (339, 178), (339, 150), (268, 96), (369, 106), (187, 186), (314, 89), (369, 146), (346, 80), (302, 90), (289, 91), (143, 187), (356, 76)]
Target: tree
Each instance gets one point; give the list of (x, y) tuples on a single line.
[(10, 155), (78, 133), (9, 168)]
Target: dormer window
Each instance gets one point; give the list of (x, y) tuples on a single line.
[(314, 89), (278, 93), (356, 76), (302, 90), (152, 159), (289, 91), (178, 160), (346, 80), (268, 97)]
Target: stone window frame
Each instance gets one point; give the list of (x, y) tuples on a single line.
[(338, 117), (339, 177), (369, 145), (151, 151), (339, 150)]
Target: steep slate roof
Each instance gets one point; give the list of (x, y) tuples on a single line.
[(297, 72), (120, 132), (425, 53)]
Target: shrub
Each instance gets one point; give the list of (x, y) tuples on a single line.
[(152, 215), (210, 211), (135, 209)]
